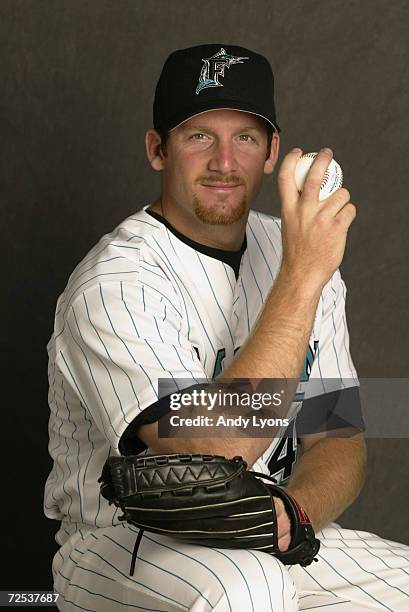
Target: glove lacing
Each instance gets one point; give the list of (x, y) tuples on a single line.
[(141, 531)]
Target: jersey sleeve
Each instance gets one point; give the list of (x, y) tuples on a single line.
[(333, 358), (118, 340), (332, 399)]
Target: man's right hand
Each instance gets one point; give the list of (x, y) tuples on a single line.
[(313, 232)]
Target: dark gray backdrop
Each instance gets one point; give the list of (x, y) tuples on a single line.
[(77, 82)]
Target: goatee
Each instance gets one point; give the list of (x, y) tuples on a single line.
[(217, 216)]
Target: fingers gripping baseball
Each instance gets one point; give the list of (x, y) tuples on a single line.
[(314, 230)]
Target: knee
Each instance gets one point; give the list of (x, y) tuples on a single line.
[(248, 581)]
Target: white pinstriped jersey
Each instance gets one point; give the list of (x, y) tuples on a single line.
[(143, 305)]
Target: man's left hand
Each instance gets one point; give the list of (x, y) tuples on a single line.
[(284, 525)]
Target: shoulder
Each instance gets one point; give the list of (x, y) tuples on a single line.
[(120, 256)]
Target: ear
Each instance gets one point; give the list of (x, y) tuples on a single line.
[(153, 149), (271, 161)]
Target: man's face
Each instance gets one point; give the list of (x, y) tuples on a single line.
[(214, 165)]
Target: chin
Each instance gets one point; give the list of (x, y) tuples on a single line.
[(219, 213)]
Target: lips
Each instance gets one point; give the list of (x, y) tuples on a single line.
[(222, 186)]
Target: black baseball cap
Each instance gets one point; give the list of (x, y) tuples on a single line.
[(210, 77)]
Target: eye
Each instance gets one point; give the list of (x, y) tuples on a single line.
[(198, 136), (247, 137)]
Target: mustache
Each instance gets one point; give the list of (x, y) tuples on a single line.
[(230, 180)]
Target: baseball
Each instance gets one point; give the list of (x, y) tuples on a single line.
[(332, 178)]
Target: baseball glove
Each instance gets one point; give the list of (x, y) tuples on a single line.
[(207, 500)]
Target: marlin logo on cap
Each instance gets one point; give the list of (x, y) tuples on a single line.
[(214, 67)]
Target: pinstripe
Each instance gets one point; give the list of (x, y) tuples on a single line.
[(265, 578), (87, 569), (138, 334), (139, 220), (75, 277), (134, 580), (183, 365), (257, 285), (261, 250), (319, 584), (121, 339), (379, 539), (90, 369), (268, 237), (133, 236), (117, 273), (356, 586), (192, 302), (158, 360), (195, 560), (125, 229), (318, 354), (374, 574), (247, 308), (335, 603), (76, 605), (155, 290), (335, 329), (128, 605), (143, 267), (157, 327), (112, 361), (164, 258), (203, 326), (78, 473), (215, 299), (347, 353), (384, 562), (240, 572), (66, 456), (282, 584), (162, 569), (125, 246), (91, 444), (124, 344), (228, 277), (54, 401), (93, 255)]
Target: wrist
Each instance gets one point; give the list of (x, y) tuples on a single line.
[(301, 284), (305, 505)]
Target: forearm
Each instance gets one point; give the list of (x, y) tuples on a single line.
[(328, 477), (248, 448)]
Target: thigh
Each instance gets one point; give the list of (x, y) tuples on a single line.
[(91, 572), (356, 570)]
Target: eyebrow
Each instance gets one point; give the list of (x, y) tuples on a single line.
[(207, 129)]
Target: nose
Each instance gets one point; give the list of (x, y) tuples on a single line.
[(223, 158)]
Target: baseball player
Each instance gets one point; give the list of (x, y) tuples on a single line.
[(194, 285)]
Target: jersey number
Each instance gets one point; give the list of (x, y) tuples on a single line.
[(282, 460)]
